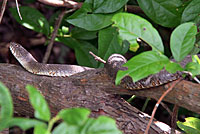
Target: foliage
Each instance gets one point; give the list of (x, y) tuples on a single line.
[(95, 17), (104, 27), (32, 19), (75, 120), (190, 126), (182, 41)]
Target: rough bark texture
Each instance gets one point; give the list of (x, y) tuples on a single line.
[(95, 90)]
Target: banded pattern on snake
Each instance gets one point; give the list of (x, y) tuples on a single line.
[(113, 64), (31, 64)]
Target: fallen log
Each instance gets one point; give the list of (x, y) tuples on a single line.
[(95, 90)]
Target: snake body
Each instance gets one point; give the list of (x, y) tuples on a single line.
[(113, 64), (31, 64)]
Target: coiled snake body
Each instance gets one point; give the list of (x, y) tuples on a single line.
[(113, 64)]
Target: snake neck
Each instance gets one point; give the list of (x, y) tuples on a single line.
[(22, 55)]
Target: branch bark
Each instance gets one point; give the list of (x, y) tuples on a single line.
[(87, 89), (77, 5)]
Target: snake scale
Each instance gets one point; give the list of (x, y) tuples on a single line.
[(113, 64)]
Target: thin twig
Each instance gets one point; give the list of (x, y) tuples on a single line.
[(166, 108), (3, 7), (174, 118), (56, 27), (97, 58), (158, 102), (17, 6), (195, 78)]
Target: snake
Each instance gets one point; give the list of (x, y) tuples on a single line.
[(32, 66), (112, 65)]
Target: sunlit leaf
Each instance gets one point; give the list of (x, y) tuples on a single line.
[(39, 104), (182, 40), (132, 27), (143, 65), (6, 106), (25, 123), (31, 19), (190, 126)]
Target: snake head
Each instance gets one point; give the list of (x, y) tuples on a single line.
[(21, 54), (114, 64)]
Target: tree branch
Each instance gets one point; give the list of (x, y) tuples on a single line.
[(54, 34), (62, 3), (86, 89), (77, 5)]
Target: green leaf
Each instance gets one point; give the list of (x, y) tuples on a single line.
[(86, 19), (31, 19), (82, 54), (79, 33), (190, 126), (60, 129), (173, 67), (25, 123), (108, 6), (163, 12), (74, 116), (191, 12), (40, 130), (108, 43), (195, 49), (39, 104), (182, 40), (132, 27), (195, 59), (143, 65), (6, 106), (101, 125), (134, 46), (193, 67), (82, 49), (91, 22)]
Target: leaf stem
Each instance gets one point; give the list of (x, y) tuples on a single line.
[(51, 123)]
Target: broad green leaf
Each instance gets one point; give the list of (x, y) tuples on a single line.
[(82, 54), (6, 107), (162, 12), (25, 123), (132, 27), (74, 116), (39, 104), (60, 129), (108, 6), (41, 130), (86, 19), (82, 49), (91, 22), (108, 43), (190, 126), (101, 125), (31, 19), (182, 40), (193, 67), (79, 33), (191, 12), (173, 67), (143, 65)]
